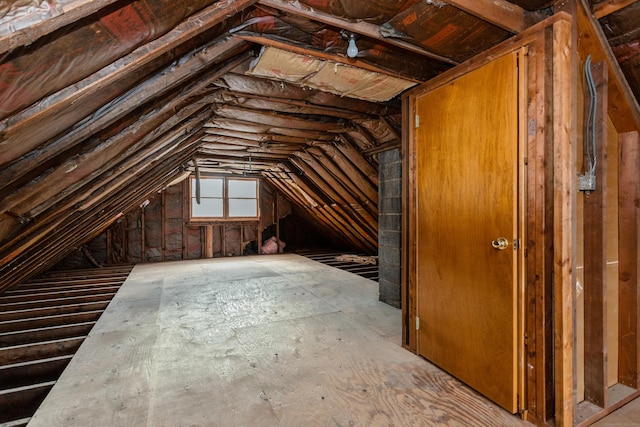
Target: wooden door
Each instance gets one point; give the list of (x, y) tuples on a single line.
[(467, 193)]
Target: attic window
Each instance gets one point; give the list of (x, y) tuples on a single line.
[(224, 198)]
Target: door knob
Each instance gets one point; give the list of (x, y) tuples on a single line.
[(500, 243)]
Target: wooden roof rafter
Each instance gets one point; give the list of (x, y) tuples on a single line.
[(500, 13), (346, 174), (303, 197), (623, 104), (241, 143), (127, 103), (242, 155), (276, 119), (175, 141), (324, 173), (262, 128), (348, 151), (281, 90), (214, 131), (327, 215), (292, 106), (363, 28), (69, 174), (274, 41), (607, 7), (353, 226), (20, 133), (59, 18), (77, 227), (137, 161), (70, 206), (89, 90)]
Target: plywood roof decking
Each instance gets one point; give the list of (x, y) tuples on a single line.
[(260, 341)]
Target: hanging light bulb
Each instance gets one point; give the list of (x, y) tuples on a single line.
[(352, 50)]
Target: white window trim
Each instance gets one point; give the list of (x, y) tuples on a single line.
[(225, 200)]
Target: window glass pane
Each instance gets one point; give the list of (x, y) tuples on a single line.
[(209, 187), (242, 188), (243, 207), (207, 208)]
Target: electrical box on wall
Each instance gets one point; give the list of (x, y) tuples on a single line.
[(586, 183)]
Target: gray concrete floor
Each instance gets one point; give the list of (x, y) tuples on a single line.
[(255, 341)]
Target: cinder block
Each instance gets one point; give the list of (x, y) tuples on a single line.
[(390, 156), (390, 171), (390, 204), (389, 293), (390, 221), (389, 238), (390, 273)]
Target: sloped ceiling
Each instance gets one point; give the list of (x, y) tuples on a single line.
[(105, 102)]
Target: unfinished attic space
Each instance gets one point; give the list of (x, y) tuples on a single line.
[(180, 179)]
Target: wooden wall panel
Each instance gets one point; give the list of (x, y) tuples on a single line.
[(595, 255), (161, 230), (564, 184), (629, 231), (173, 223), (539, 347), (612, 255)]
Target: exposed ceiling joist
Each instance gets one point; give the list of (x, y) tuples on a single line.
[(258, 127), (280, 120), (605, 8), (259, 137), (292, 106), (242, 155), (360, 27), (500, 13), (268, 41), (280, 90)]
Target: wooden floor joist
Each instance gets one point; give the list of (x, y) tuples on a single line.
[(329, 258), (30, 336), (30, 296), (43, 322), (19, 403), (33, 372), (47, 321)]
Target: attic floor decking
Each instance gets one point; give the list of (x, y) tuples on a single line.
[(254, 341)]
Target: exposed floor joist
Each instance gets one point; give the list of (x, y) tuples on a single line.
[(42, 324)]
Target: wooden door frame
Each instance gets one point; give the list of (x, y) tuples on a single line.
[(548, 204), (551, 124)]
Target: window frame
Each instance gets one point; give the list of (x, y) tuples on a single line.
[(225, 200)]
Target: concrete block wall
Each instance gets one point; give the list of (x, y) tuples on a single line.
[(389, 223)]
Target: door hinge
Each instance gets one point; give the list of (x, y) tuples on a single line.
[(417, 121), (417, 323)]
